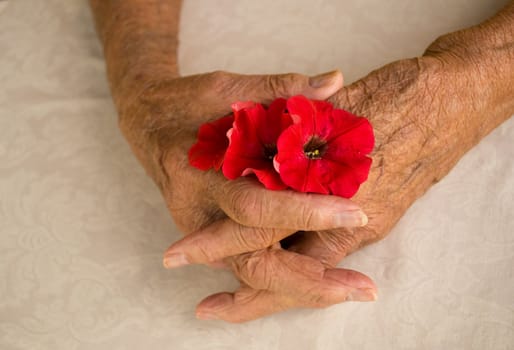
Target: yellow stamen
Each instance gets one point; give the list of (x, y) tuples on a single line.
[(313, 154)]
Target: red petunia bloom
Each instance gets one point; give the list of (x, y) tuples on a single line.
[(209, 151), (325, 150), (253, 140)]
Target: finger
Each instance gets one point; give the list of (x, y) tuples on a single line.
[(246, 303), (265, 88), (250, 204), (329, 246), (219, 240), (218, 90), (298, 275)]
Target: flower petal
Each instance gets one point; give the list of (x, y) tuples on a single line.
[(255, 131), (325, 176), (246, 123), (268, 177), (245, 149), (290, 143), (354, 140), (342, 166), (314, 116), (305, 175), (347, 178), (209, 151), (322, 107), (275, 121), (302, 111), (237, 106)]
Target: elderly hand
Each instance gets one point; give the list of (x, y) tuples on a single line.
[(159, 114), (399, 101), (426, 112), (240, 216)]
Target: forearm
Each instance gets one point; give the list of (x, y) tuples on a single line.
[(482, 95), (500, 49), (140, 40), (484, 66)]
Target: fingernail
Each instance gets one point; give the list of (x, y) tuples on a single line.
[(322, 79), (175, 260), (362, 295), (206, 316), (350, 218)]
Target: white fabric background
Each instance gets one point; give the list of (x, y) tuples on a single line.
[(82, 229)]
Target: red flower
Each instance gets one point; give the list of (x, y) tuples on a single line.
[(325, 150), (253, 140), (320, 149), (209, 151)]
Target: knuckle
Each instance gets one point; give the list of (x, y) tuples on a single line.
[(342, 99), (219, 81), (237, 263), (283, 85), (274, 85), (218, 76), (369, 234), (308, 218), (341, 241), (338, 244), (263, 237), (244, 206), (444, 43), (254, 269), (247, 212), (260, 273), (254, 238), (204, 252)]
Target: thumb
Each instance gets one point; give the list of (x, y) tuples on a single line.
[(265, 88)]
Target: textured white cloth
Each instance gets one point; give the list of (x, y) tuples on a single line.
[(82, 229)]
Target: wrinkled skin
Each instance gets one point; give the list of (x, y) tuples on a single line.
[(426, 113), (242, 212), (423, 125), (407, 104)]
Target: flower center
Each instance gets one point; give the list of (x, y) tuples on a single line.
[(270, 151), (315, 148)]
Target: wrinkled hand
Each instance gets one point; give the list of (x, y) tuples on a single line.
[(240, 216), (413, 108)]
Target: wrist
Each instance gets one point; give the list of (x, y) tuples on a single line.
[(131, 76), (151, 118), (482, 55)]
